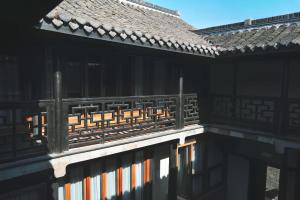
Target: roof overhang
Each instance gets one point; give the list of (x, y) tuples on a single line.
[(121, 38)]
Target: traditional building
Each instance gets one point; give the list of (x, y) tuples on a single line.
[(122, 99)]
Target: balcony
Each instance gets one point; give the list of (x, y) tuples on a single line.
[(269, 114), (35, 128)]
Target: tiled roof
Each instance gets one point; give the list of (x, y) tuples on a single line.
[(129, 21), (275, 33)]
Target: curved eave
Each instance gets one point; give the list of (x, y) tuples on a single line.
[(121, 37), (261, 49)]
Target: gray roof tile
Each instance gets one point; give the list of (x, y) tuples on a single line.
[(122, 19), (269, 33), (88, 29), (57, 23), (101, 31)]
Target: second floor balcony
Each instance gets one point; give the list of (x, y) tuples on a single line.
[(40, 127), (268, 114)]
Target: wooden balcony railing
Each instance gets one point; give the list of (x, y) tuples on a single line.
[(38, 127), (100, 120), (261, 113), (24, 129), (293, 118)]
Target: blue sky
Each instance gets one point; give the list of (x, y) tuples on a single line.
[(206, 13)]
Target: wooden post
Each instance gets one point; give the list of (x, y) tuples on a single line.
[(297, 195), (173, 172), (147, 188), (61, 142), (283, 176), (180, 104)]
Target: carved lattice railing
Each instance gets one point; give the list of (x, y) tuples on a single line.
[(245, 111), (293, 123), (24, 128), (100, 120)]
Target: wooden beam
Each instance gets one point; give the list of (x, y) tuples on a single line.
[(173, 172)]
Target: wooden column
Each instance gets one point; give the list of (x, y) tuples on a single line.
[(103, 184), (68, 191), (173, 172), (180, 103), (297, 195), (54, 188), (257, 180), (60, 134), (133, 178), (147, 188), (283, 177), (119, 179), (87, 188)]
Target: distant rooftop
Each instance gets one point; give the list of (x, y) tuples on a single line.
[(155, 7), (281, 19)]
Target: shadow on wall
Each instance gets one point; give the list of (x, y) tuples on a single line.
[(34, 186)]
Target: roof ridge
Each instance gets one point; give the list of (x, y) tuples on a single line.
[(147, 5), (279, 19)]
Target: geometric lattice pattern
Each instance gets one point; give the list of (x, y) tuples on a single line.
[(259, 110), (222, 107), (23, 129), (105, 119), (247, 111), (191, 113), (294, 115)]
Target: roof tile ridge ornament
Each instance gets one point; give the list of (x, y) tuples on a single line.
[(149, 6)]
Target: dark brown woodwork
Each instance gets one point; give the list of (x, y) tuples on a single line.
[(257, 180), (284, 99), (173, 172)]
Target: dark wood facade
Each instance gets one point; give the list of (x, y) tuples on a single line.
[(257, 92), (48, 80), (59, 92)]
